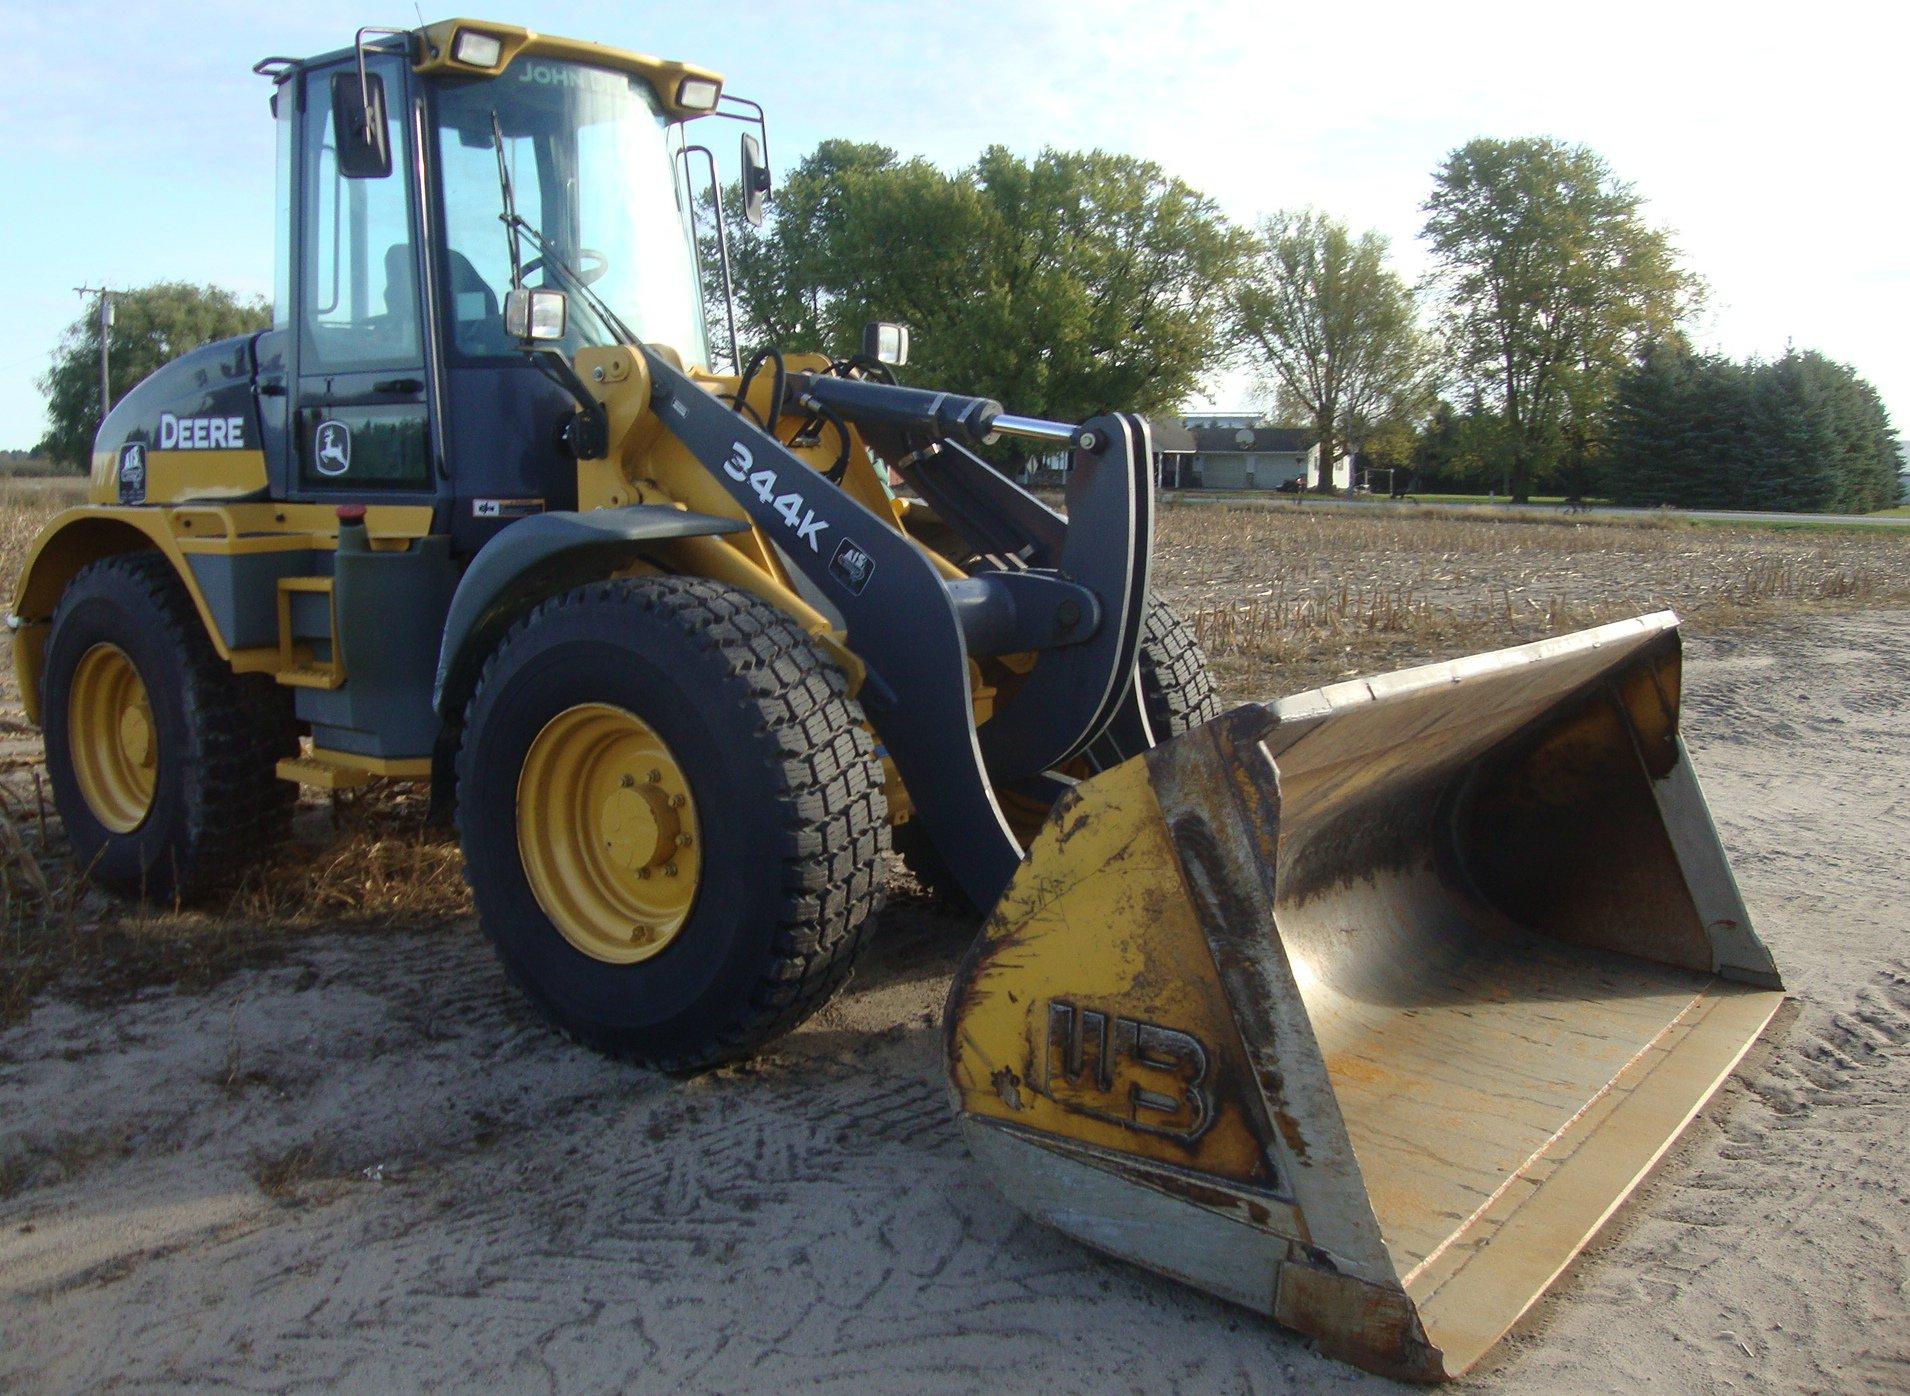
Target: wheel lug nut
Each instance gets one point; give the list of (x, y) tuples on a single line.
[(669, 869), (655, 776), (677, 802), (682, 840), (626, 781)]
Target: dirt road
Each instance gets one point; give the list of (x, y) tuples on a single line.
[(368, 1167)]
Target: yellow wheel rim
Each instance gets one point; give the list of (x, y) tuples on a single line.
[(110, 733), (607, 831)]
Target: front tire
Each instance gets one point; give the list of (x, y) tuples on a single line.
[(1176, 689), (672, 819), (163, 761)]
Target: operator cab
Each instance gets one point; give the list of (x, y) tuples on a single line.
[(389, 375)]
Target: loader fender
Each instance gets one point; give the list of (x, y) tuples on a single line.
[(538, 557), (69, 542)]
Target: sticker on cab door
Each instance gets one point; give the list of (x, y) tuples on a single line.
[(506, 508)]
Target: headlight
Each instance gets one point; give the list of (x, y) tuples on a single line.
[(533, 315)]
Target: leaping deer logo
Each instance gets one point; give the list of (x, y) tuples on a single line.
[(333, 448)]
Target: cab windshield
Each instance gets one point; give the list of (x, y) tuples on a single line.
[(593, 169)]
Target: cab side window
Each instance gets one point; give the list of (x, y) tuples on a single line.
[(360, 296)]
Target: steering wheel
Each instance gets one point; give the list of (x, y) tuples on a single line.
[(593, 265)]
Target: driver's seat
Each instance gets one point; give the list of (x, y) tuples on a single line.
[(465, 282), (477, 318)]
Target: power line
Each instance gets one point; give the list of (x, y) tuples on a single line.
[(36, 354)]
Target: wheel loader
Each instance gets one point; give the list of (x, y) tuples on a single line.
[(1363, 1009)]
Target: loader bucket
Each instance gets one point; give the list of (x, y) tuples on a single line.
[(1366, 1008)]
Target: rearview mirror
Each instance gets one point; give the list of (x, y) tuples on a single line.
[(755, 180), (535, 315), (885, 342), (358, 126)]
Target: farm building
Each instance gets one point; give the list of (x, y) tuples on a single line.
[(1234, 454), (1223, 451)]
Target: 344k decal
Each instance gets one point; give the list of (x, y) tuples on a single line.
[(799, 519)]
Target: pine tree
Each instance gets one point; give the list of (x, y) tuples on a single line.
[(1803, 434)]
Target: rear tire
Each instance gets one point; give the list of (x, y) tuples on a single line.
[(784, 812), (1177, 692), (162, 760)]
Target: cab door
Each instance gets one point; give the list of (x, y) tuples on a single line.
[(361, 424)]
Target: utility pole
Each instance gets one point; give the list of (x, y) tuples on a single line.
[(105, 333)]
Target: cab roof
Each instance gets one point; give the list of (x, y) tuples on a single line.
[(434, 50)]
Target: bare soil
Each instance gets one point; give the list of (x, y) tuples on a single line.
[(311, 1138)]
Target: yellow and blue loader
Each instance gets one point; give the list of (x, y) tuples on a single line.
[(1363, 1009)]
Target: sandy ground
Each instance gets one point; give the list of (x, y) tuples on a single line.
[(470, 1202)]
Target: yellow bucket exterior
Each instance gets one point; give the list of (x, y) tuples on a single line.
[(1367, 1008)]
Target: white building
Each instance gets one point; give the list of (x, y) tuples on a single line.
[(1234, 454)]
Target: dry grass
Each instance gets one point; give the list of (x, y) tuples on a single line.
[(1282, 599), (25, 505), (366, 865), (61, 1157), (282, 1176)]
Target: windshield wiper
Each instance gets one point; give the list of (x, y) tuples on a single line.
[(509, 217), (588, 433), (552, 259), (516, 226)]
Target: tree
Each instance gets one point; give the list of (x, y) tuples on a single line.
[(1553, 280), (1332, 330), (1802, 434), (1062, 286), (151, 326), (1460, 450)]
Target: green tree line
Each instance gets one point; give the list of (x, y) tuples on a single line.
[(1701, 431), (1072, 282), (1546, 351)]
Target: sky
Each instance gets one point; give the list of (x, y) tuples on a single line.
[(1769, 140)]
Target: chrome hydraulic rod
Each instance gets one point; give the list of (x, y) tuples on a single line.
[(1034, 429)]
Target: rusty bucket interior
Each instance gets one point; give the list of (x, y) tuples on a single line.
[(1474, 959)]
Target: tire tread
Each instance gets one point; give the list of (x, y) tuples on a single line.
[(237, 809), (813, 738)]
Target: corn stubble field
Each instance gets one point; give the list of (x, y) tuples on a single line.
[(1282, 599)]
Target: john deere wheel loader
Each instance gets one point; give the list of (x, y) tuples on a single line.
[(1363, 1009)]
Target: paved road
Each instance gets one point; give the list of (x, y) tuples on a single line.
[(1605, 511)]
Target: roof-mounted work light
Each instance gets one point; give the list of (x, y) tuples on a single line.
[(478, 50), (698, 94)]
